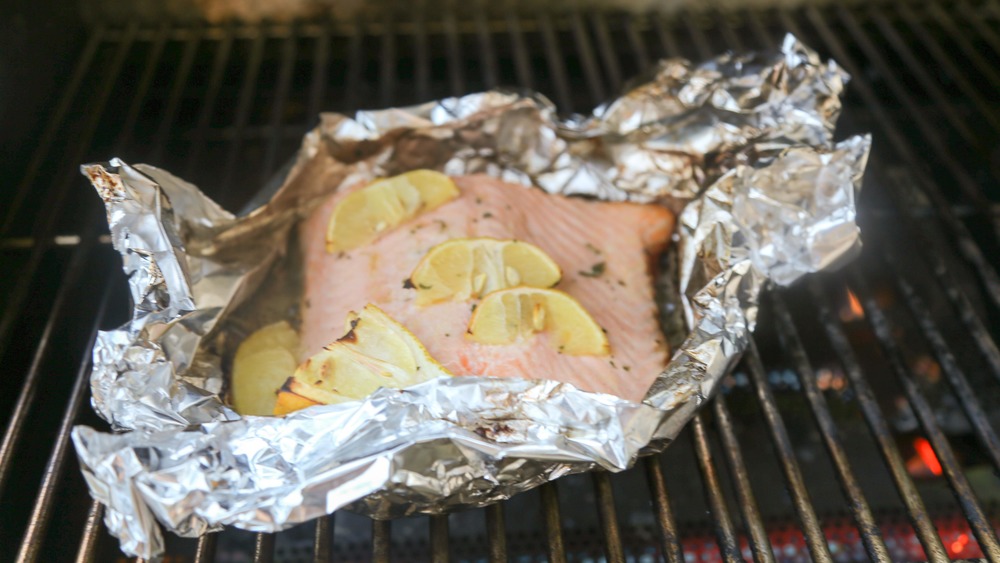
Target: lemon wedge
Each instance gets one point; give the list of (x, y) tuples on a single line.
[(384, 204), (510, 315), (376, 352), (262, 363), (466, 268), (289, 401)]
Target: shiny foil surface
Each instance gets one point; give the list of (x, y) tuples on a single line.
[(741, 146)]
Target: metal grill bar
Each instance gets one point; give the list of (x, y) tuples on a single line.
[(323, 543), (730, 36), (486, 51), (88, 541), (496, 533), (381, 541), (981, 526), (950, 286), (205, 550), (975, 20), (967, 244), (14, 430), (867, 527), (320, 61), (608, 57), (354, 66), (793, 475), (243, 104), (759, 31), (520, 51), (152, 62), (288, 132), (280, 101), (454, 64), (930, 133), (555, 59), (944, 19), (729, 547), (915, 509), (669, 537), (667, 40), (49, 135), (387, 75), (613, 548), (211, 95), (590, 71), (304, 29), (942, 59), (949, 365), (439, 539), (553, 522), (15, 427), (941, 100), (759, 542), (42, 510), (701, 46), (263, 551), (44, 227), (423, 64), (174, 98), (636, 43)]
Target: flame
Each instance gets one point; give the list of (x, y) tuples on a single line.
[(852, 310), (926, 453), (824, 377), (827, 378), (926, 367), (959, 544)]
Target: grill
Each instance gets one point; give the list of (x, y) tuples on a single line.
[(862, 423)]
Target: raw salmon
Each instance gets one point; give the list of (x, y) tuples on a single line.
[(604, 249)]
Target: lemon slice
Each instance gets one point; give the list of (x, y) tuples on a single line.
[(290, 401), (262, 363), (384, 204), (465, 268), (511, 315), (376, 352)]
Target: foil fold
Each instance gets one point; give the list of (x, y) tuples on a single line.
[(742, 146)]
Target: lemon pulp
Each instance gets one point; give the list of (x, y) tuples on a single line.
[(262, 363), (511, 315), (468, 268), (376, 352), (384, 204)]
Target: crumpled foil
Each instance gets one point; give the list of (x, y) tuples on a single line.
[(740, 145)]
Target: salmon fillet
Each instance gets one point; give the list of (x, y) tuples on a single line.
[(578, 234)]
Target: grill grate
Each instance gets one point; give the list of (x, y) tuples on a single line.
[(813, 405)]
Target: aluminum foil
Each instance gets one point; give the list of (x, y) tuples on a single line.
[(740, 145)]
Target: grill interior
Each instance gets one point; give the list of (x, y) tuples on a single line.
[(861, 424)]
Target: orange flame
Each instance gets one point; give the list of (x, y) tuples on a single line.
[(926, 453), (852, 310), (959, 544)]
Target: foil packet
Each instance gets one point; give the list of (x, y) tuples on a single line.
[(741, 146)]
